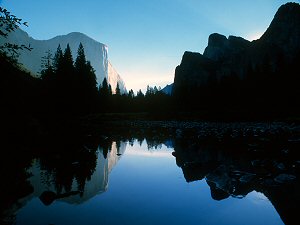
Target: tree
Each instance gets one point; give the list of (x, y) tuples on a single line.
[(70, 87), (149, 91), (91, 76), (84, 71), (105, 95), (140, 94), (131, 94), (104, 88), (58, 59), (80, 62), (66, 77), (109, 90), (68, 60), (118, 91), (47, 66), (9, 23)]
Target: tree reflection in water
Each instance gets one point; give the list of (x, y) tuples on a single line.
[(75, 173)]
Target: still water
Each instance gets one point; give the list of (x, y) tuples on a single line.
[(128, 182)]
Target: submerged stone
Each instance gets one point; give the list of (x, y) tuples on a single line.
[(285, 178)]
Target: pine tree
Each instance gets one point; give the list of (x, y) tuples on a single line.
[(57, 60), (105, 90), (84, 71), (47, 67), (80, 62), (118, 91), (68, 60), (105, 95), (140, 94), (104, 87), (109, 90), (131, 94), (91, 76)]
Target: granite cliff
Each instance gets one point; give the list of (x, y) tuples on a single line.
[(224, 57), (96, 53)]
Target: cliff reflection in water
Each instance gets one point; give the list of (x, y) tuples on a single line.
[(231, 168), (77, 181), (72, 176)]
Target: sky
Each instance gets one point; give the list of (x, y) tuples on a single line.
[(146, 38)]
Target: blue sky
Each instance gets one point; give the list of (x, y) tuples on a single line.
[(146, 38)]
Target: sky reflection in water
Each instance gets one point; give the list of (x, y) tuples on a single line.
[(147, 187)]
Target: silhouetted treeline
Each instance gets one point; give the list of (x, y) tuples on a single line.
[(152, 101), (70, 88)]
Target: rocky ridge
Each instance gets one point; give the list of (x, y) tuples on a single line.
[(235, 55)]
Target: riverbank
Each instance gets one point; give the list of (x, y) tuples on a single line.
[(271, 135), (187, 122)]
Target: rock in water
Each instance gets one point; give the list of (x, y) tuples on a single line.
[(285, 178)]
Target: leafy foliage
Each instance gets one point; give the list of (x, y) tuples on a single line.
[(9, 23)]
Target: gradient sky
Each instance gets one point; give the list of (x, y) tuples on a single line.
[(146, 38)]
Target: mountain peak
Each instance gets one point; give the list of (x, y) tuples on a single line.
[(217, 40), (225, 57), (284, 30), (220, 47), (77, 35), (96, 53), (288, 13), (290, 8)]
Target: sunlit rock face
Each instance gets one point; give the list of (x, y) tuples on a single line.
[(96, 53), (234, 55), (96, 185), (114, 78)]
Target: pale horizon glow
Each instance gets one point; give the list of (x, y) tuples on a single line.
[(142, 150), (255, 35), (154, 154), (146, 39)]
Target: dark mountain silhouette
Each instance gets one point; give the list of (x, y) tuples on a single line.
[(284, 31), (233, 70), (167, 89)]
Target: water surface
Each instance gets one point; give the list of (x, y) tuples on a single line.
[(125, 182)]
